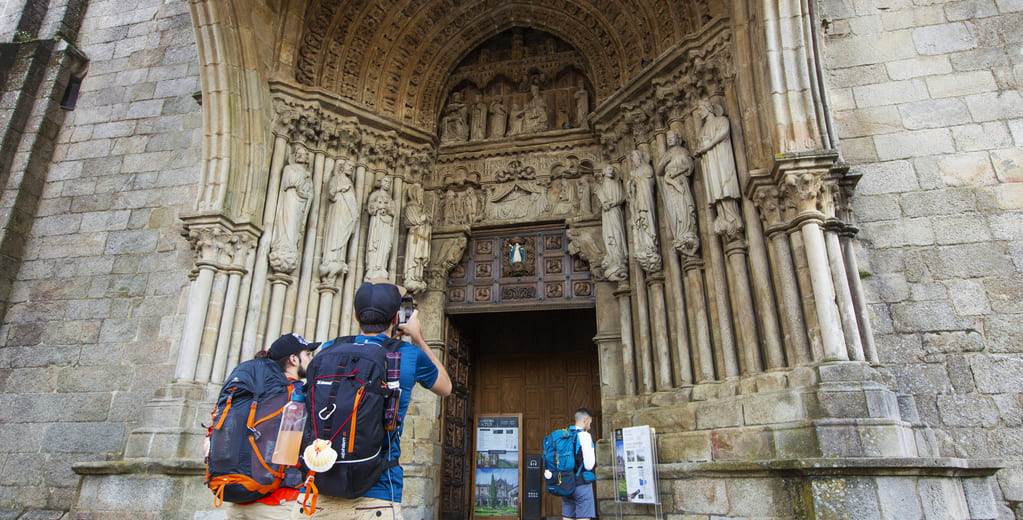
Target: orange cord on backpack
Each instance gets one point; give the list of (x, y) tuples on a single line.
[(310, 488)]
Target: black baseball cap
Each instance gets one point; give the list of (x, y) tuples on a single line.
[(377, 302), (289, 344)]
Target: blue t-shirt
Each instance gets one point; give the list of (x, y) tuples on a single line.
[(416, 367)]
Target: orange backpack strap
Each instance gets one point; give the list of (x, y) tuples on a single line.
[(310, 490)]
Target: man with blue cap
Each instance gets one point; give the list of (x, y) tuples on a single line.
[(376, 309)]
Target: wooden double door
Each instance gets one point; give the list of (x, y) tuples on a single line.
[(541, 364)]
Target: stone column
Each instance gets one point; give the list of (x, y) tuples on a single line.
[(259, 271), (763, 295), (208, 243), (608, 339), (309, 241), (797, 349), (659, 334), (235, 272), (356, 244), (805, 185), (624, 295), (859, 299)]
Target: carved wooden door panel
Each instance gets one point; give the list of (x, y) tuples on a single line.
[(456, 429), (526, 368)]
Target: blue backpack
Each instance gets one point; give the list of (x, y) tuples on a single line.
[(560, 449)]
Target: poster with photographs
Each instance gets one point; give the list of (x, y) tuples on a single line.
[(635, 466), (497, 466)]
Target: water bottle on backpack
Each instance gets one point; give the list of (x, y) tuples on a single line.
[(289, 437)]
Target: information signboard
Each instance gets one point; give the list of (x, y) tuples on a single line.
[(635, 466), (497, 466)]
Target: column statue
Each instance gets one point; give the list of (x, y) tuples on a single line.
[(342, 210), (674, 170), (453, 123), (478, 131), (612, 196), (642, 209), (715, 151), (292, 208), (380, 208), (417, 250), (498, 119)]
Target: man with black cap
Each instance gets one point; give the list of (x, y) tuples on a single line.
[(292, 354), (376, 309)]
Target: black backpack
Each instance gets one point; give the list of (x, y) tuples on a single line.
[(347, 396), (243, 433)]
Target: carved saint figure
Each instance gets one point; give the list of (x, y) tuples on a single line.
[(564, 202), (452, 211), (642, 211), (612, 196), (498, 119), (342, 209), (380, 208), (454, 128), (479, 120), (583, 189), (674, 170), (535, 118), (292, 209), (417, 250), (718, 164), (470, 205), (515, 119)]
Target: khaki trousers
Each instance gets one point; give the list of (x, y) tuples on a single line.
[(362, 508)]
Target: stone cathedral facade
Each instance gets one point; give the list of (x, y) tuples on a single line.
[(794, 229)]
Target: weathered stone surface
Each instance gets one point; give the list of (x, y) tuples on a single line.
[(997, 374)]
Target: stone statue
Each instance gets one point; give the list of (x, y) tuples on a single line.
[(381, 229), (292, 208), (718, 164), (535, 118), (515, 120), (564, 201), (342, 209), (453, 125), (479, 120), (470, 205), (452, 212), (674, 170), (417, 249), (642, 211), (498, 119), (612, 196), (584, 190)]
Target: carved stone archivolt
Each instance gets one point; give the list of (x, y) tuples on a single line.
[(396, 60)]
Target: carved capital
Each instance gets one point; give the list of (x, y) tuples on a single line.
[(767, 200), (802, 190), (213, 246)]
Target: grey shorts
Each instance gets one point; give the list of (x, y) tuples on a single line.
[(580, 503)]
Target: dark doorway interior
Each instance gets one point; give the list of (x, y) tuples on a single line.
[(542, 364)]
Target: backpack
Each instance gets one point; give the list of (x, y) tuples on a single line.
[(347, 400), (560, 450), (243, 432)]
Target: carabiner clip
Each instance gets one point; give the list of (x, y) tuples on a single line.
[(333, 406)]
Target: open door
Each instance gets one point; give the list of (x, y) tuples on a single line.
[(541, 364)]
